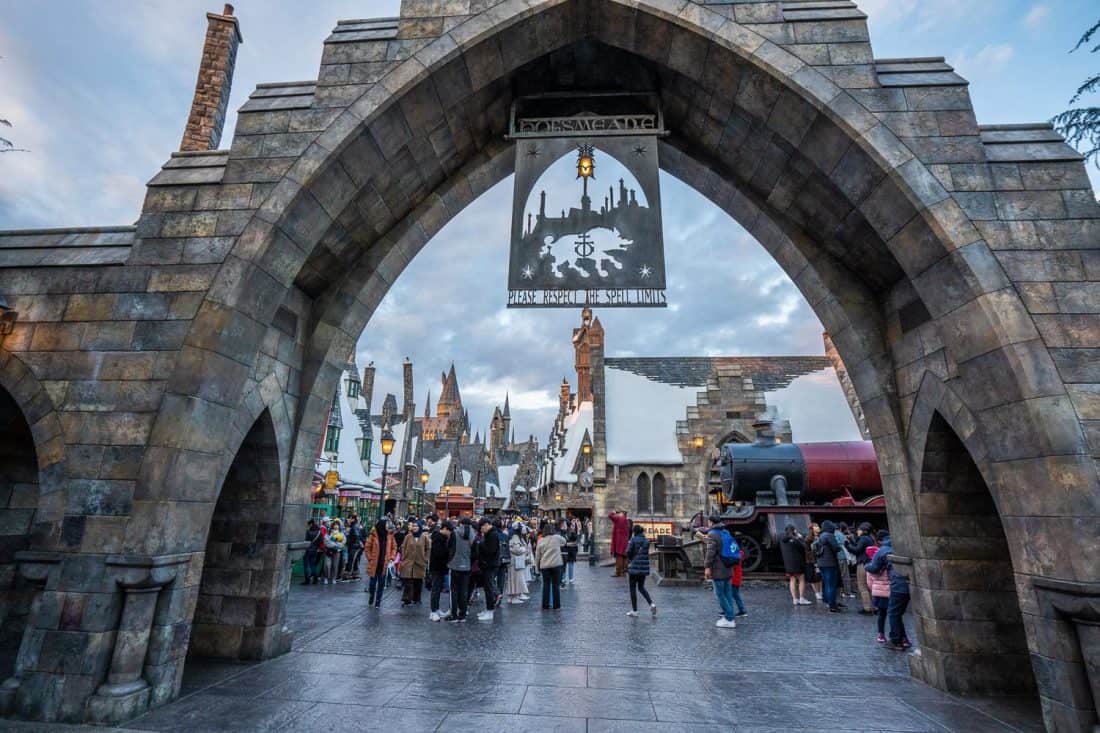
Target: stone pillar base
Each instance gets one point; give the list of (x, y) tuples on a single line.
[(973, 674), (113, 704), (8, 689)]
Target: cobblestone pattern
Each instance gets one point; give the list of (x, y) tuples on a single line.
[(587, 667), (953, 266)]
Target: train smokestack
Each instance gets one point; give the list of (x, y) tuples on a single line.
[(765, 432)]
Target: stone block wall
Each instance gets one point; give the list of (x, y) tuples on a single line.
[(953, 266)]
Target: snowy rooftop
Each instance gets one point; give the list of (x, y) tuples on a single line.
[(813, 408), (576, 423), (349, 465), (645, 397), (641, 418)]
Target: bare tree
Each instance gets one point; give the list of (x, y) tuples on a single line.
[(1081, 125)]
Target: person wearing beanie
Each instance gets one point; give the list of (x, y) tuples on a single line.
[(899, 592), (857, 547)]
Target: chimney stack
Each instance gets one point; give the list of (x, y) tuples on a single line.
[(407, 407), (368, 385), (765, 432), (219, 56)]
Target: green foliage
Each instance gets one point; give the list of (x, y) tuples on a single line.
[(1081, 125), (6, 146)]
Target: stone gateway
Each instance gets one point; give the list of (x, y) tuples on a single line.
[(165, 386)]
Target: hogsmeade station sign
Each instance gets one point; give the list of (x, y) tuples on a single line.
[(586, 208)]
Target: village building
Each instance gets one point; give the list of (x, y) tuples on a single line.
[(640, 434), (462, 474)]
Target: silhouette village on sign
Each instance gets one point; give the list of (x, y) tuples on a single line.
[(586, 209)]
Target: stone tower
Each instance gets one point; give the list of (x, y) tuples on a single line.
[(586, 339)]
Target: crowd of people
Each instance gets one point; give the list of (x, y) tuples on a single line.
[(838, 562), (470, 559), (491, 561)]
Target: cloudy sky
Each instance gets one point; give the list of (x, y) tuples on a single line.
[(98, 93)]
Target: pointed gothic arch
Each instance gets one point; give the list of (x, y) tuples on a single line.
[(659, 502), (643, 501)]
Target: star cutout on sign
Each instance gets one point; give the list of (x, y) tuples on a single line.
[(640, 149), (533, 151), (645, 272), (528, 273)]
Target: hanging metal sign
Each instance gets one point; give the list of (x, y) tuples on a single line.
[(586, 210)]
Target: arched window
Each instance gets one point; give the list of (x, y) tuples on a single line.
[(643, 492), (660, 505)]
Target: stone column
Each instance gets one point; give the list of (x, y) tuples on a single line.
[(126, 692), (1068, 621)]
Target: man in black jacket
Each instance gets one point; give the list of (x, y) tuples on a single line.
[(311, 562), (438, 556), (488, 559), (827, 549)]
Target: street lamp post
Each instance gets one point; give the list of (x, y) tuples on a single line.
[(423, 488), (387, 442)]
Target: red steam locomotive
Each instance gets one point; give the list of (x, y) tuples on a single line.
[(761, 487)]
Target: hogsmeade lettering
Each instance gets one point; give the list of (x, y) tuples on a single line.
[(606, 297), (558, 125)]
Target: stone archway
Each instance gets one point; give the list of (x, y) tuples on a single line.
[(970, 581), (262, 264), (240, 611), (30, 476), (20, 488)]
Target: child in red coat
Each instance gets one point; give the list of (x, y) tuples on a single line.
[(735, 581)]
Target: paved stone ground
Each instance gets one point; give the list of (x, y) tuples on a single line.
[(585, 668)]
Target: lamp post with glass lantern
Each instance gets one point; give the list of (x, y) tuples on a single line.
[(423, 488), (698, 442), (387, 443)]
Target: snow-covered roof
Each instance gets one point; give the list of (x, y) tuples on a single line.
[(506, 473), (641, 418), (350, 466), (437, 472), (812, 404), (576, 423)]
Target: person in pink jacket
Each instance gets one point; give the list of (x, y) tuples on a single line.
[(879, 585), (620, 538)]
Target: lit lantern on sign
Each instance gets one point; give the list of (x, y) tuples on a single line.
[(586, 162)]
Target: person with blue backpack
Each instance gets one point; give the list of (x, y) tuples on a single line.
[(722, 554)]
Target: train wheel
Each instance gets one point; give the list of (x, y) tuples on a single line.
[(752, 555)]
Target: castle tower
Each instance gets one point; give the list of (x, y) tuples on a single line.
[(496, 433), (586, 339), (450, 401)]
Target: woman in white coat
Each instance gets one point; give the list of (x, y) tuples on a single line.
[(518, 550)]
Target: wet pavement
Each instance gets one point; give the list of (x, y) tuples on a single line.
[(585, 668)]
